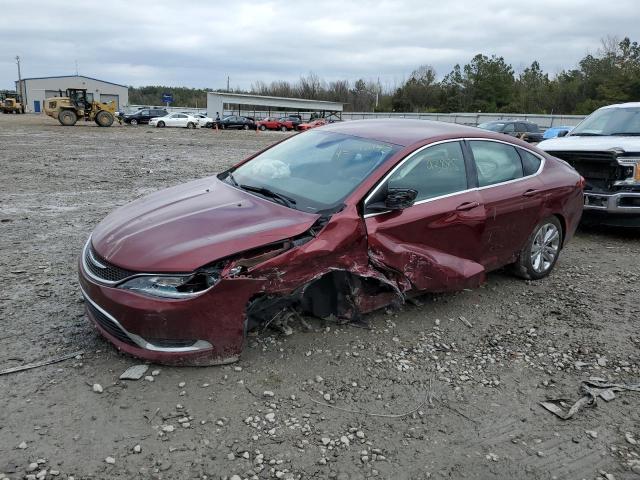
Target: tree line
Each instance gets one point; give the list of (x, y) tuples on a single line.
[(484, 84)]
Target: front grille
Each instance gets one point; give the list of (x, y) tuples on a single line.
[(600, 169), (102, 269), (107, 324)]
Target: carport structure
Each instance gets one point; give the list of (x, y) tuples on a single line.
[(216, 102)]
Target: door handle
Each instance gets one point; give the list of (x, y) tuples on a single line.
[(530, 193), (467, 206)]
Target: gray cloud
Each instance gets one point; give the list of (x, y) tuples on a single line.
[(199, 43)]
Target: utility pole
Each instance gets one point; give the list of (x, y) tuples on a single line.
[(228, 84), (19, 92)]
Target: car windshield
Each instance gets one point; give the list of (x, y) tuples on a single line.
[(316, 169), (610, 121), (493, 126)]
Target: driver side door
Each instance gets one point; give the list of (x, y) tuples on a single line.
[(436, 243)]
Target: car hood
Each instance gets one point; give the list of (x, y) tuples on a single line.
[(577, 143), (182, 228)]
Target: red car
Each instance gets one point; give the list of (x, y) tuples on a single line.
[(271, 123), (312, 124), (337, 221)]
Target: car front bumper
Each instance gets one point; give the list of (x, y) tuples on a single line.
[(208, 329), (620, 203)]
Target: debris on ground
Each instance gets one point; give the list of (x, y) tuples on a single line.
[(134, 372), (591, 389), (51, 361)]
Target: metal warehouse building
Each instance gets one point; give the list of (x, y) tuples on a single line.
[(35, 90)]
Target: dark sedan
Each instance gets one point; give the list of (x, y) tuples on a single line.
[(335, 222), (237, 122), (527, 131)]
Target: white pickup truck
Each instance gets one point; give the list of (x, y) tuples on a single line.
[(605, 149)]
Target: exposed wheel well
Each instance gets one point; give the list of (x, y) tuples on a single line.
[(563, 224)]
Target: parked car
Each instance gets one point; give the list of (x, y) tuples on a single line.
[(271, 123), (144, 115), (527, 131), (554, 132), (605, 149), (338, 221), (291, 121), (237, 122), (312, 124), (206, 122), (182, 120)]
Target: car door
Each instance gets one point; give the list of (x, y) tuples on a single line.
[(144, 116), (511, 198), (435, 244)]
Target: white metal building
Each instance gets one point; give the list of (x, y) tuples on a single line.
[(216, 102), (35, 90)]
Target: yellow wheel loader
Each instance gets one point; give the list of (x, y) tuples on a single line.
[(76, 105), (11, 104)]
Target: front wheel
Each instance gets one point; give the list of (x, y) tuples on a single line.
[(283, 128), (161, 124), (263, 127), (133, 121), (246, 127), (104, 118), (191, 125), (541, 251)]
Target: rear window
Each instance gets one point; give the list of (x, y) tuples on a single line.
[(495, 162)]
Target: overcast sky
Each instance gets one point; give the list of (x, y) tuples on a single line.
[(198, 43)]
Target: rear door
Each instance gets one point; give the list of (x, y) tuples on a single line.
[(512, 198), (436, 244)]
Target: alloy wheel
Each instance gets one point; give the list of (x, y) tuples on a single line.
[(545, 247)]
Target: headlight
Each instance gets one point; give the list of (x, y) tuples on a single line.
[(167, 286)]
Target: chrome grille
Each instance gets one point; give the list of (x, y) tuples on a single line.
[(103, 270)]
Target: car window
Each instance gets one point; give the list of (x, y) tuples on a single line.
[(144, 112), (509, 128), (530, 162), (180, 115), (432, 172), (495, 162)]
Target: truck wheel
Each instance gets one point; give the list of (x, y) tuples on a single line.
[(104, 119), (541, 251), (68, 118)]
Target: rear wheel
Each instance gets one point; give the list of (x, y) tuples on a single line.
[(68, 118), (541, 251), (190, 125), (133, 121), (246, 127), (283, 128), (104, 118), (263, 127), (160, 124)]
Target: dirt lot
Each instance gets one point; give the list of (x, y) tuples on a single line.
[(472, 390)]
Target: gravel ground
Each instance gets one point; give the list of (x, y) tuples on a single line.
[(325, 402)]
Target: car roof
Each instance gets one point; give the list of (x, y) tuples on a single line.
[(622, 105), (404, 131)]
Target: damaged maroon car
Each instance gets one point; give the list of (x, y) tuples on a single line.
[(338, 221)]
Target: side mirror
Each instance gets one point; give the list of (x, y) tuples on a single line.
[(563, 133), (396, 199)]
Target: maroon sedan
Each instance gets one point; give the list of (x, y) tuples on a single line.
[(341, 220)]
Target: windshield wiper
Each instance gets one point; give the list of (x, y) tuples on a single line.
[(625, 134), (586, 134), (287, 201)]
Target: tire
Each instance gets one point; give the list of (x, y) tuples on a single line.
[(541, 252), (283, 128), (190, 126), (133, 122), (160, 124), (246, 127), (262, 127), (68, 118), (104, 119)]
